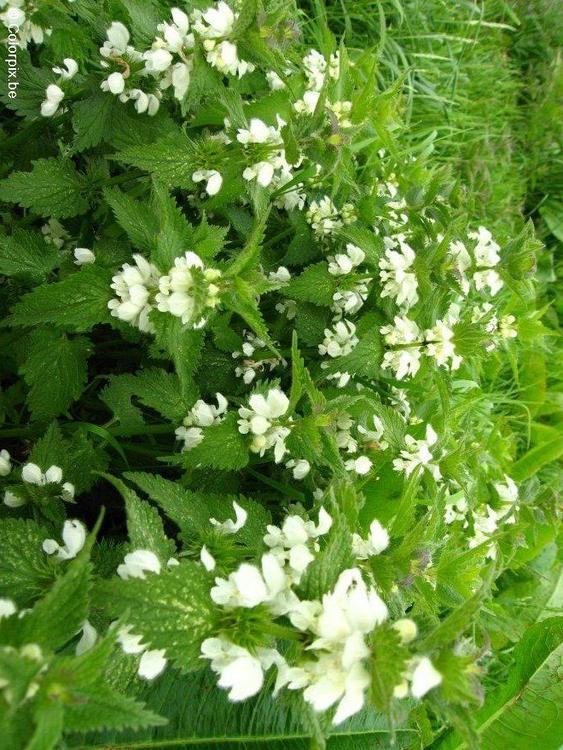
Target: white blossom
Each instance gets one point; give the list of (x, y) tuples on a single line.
[(53, 97), (135, 286), (5, 463), (201, 415), (179, 289), (207, 559), (68, 70), (399, 281), (340, 340), (83, 256), (117, 41), (405, 333), (360, 465), (300, 467), (343, 263), (87, 640), (240, 672), (152, 661), (441, 346), (424, 677), (324, 217), (418, 453), (229, 526), (261, 420), (135, 564), (211, 177), (377, 541), (7, 608), (74, 538)]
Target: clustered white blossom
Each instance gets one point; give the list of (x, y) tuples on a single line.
[(54, 94), (252, 364), (54, 233), (332, 670), (339, 341), (396, 274), (18, 13), (185, 291), (418, 453), (326, 219), (74, 537), (485, 258), (201, 415), (263, 420), (32, 474)]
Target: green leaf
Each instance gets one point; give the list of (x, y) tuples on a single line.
[(388, 659), (315, 285), (260, 723), (24, 569), (176, 234), (55, 371), (48, 727), (52, 188), (534, 460), (524, 712), (322, 574), (144, 524), (222, 447), (98, 706), (76, 303), (172, 610), (171, 159), (183, 345), (27, 254), (135, 217), (92, 119), (243, 301)]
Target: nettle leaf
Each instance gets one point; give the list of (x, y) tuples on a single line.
[(183, 345), (172, 610), (52, 188), (322, 574), (77, 303), (144, 524), (222, 447), (526, 706), (243, 301), (136, 218), (24, 569), (55, 371), (154, 388), (58, 617), (176, 233), (92, 119), (261, 722), (315, 285), (26, 253), (96, 707), (171, 159), (388, 659)]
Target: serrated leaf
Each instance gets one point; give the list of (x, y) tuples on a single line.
[(135, 217), (315, 285), (222, 447), (26, 253), (387, 663), (183, 345), (171, 159), (24, 572), (52, 188), (243, 301), (77, 303), (92, 119), (172, 610), (55, 371), (97, 707)]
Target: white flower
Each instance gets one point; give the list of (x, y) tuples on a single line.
[(324, 217), (212, 178), (456, 508), (376, 542), (406, 628), (340, 340), (424, 677), (74, 537), (12, 500), (224, 57), (68, 70), (83, 256), (88, 638), (152, 662), (308, 104), (261, 419), (157, 60), (294, 540), (274, 81), (404, 332), (248, 586), (135, 287), (200, 415), (215, 23), (114, 83), (418, 454), (398, 282), (344, 263), (489, 278), (507, 328), (7, 608), (486, 252), (32, 474), (374, 435), (54, 233), (361, 465), (117, 41), (180, 78), (239, 671), (53, 97), (300, 467), (441, 346), (207, 559), (281, 276), (461, 261), (5, 463), (316, 67), (136, 563), (183, 283), (229, 526)]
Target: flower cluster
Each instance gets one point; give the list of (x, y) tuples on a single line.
[(201, 415), (263, 420), (186, 291), (35, 483)]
